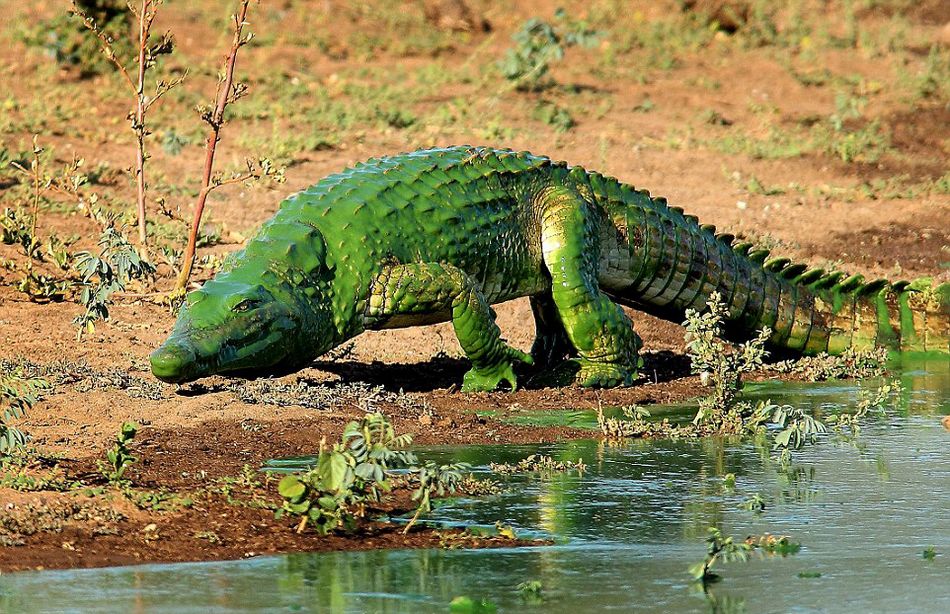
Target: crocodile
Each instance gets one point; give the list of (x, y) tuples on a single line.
[(442, 234)]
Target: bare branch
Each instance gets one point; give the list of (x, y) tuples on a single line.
[(224, 94), (105, 44)]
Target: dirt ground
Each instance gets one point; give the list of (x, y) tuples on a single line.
[(826, 138)]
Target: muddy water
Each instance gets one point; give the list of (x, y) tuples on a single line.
[(626, 531)]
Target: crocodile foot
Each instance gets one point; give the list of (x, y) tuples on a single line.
[(584, 373), (486, 379)]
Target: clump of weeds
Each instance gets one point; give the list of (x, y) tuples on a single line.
[(539, 44), (18, 393), (722, 367), (721, 549), (851, 364), (354, 474), (540, 464), (71, 44)]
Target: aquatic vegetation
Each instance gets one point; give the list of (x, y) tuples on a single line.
[(849, 423), (635, 423), (726, 549), (754, 503), (798, 428), (354, 474), (434, 480), (476, 536), (531, 592), (539, 463), (347, 476), (467, 605), (719, 549)]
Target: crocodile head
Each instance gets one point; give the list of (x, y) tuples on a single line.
[(230, 326)]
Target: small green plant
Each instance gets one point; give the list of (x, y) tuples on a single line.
[(875, 401), (754, 503), (531, 592), (719, 548), (105, 273), (119, 458), (722, 367), (333, 495), (798, 427), (15, 230), (725, 550), (553, 115), (25, 470), (635, 423), (930, 553), (436, 480), (18, 393), (538, 44)]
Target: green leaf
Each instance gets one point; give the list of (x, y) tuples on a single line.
[(328, 503), (298, 508), (332, 469), (291, 487)]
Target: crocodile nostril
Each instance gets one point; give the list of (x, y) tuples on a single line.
[(173, 362)]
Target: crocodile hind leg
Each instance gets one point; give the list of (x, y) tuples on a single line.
[(551, 343), (600, 331), (409, 294)]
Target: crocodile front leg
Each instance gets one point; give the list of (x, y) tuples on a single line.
[(600, 331), (407, 294)]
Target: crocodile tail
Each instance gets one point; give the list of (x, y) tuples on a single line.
[(818, 312), (675, 263)]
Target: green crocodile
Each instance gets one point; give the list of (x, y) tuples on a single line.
[(442, 234)]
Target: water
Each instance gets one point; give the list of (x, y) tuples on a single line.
[(626, 532)]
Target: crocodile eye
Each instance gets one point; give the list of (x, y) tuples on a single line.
[(246, 305)]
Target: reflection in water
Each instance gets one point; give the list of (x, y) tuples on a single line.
[(630, 527)]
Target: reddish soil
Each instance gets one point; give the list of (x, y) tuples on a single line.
[(203, 432)]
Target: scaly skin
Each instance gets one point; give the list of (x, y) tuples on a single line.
[(443, 234)]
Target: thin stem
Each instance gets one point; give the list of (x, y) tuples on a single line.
[(216, 120), (145, 22), (413, 520)]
